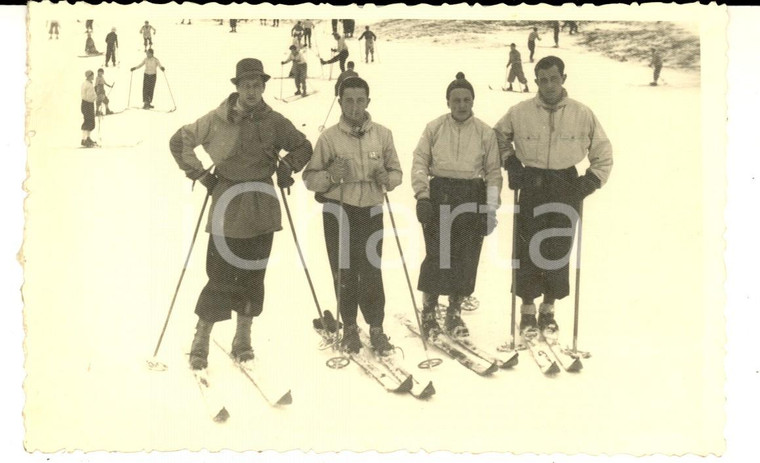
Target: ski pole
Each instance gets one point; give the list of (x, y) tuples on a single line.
[(154, 364), (514, 271), (129, 95), (340, 257), (578, 278), (282, 77), (170, 91), (322, 127), (428, 363)]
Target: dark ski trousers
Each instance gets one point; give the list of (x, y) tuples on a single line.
[(342, 57), (535, 278), (300, 70), (149, 84), (230, 287), (657, 70), (88, 112), (110, 54), (517, 71), (307, 37), (532, 48), (361, 276), (457, 277)]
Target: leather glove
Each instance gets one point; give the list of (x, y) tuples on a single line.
[(132, 69), (283, 62), (585, 185), (489, 222), (516, 173), (424, 211), (284, 176), (383, 179), (209, 180), (338, 170)]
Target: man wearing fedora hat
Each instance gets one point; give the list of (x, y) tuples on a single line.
[(243, 137)]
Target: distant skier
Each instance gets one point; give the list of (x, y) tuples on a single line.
[(88, 25), (189, 22), (243, 137), (275, 23), (53, 29), (354, 162), (89, 46), (345, 75), (342, 51), (88, 109), (515, 69), (456, 164), (262, 22), (369, 44), (334, 23), (297, 33), (233, 25), (546, 176), (572, 27), (555, 27), (299, 70), (348, 28), (308, 27), (112, 43), (100, 91), (656, 64), (152, 64), (532, 42), (147, 32)]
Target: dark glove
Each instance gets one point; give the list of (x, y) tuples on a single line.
[(424, 211), (209, 180), (585, 185), (283, 62), (284, 176), (132, 69), (516, 173), (338, 170), (163, 68), (488, 222), (382, 178)]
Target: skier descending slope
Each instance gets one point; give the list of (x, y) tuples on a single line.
[(516, 71), (456, 173), (152, 64), (243, 137), (541, 140), (354, 162)]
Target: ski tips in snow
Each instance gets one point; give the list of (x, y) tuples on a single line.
[(287, 399), (222, 416)]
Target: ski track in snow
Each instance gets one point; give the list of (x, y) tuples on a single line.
[(127, 221)]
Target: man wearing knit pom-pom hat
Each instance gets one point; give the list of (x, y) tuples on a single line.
[(243, 137), (541, 140), (456, 178)]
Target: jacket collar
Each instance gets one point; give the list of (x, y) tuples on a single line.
[(540, 102), (463, 123), (232, 112), (356, 131)]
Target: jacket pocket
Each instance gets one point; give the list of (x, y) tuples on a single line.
[(529, 147)]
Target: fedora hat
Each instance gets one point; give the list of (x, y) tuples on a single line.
[(249, 67)]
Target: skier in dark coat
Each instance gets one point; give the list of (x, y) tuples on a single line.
[(243, 137), (112, 43)]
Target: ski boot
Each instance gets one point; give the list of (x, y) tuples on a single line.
[(454, 324), (510, 89), (527, 318), (379, 341), (351, 342), (241, 343), (546, 318), (199, 348), (526, 90), (428, 323)]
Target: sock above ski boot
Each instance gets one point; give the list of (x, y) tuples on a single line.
[(241, 343), (351, 342), (199, 348), (527, 317), (428, 323), (546, 317), (380, 341), (454, 324)]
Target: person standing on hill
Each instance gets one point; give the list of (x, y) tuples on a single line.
[(297, 33), (89, 46), (345, 75), (354, 164), (532, 42), (152, 64), (516, 70), (100, 91), (53, 29), (233, 25), (456, 166), (300, 68), (112, 43), (308, 27), (147, 32), (541, 141), (656, 64), (88, 25), (243, 137), (342, 51), (88, 109), (369, 44), (555, 26)]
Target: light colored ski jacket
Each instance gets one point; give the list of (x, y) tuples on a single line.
[(555, 137), (461, 150), (367, 150)]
